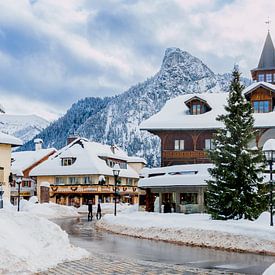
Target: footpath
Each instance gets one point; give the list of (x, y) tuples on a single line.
[(99, 264)]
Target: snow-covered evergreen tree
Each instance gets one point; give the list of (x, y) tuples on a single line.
[(236, 190)]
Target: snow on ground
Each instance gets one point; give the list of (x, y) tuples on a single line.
[(270, 270), (108, 208), (48, 210), (196, 229), (30, 243)]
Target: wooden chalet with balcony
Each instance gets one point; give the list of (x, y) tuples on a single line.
[(186, 124)]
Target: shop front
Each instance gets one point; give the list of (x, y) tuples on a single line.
[(77, 195), (175, 199)]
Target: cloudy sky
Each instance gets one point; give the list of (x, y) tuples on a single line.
[(54, 52)]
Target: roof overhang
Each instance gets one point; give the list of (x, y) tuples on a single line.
[(258, 85)]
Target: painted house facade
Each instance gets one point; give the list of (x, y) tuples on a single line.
[(7, 142), (22, 164), (83, 171), (186, 124)]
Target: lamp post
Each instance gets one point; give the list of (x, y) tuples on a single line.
[(269, 152), (18, 182), (1, 196), (116, 171)]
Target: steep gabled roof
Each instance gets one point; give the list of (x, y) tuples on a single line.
[(89, 160), (26, 159), (267, 60)]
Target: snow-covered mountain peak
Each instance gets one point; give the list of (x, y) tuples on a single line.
[(116, 120), (189, 66), (24, 127)]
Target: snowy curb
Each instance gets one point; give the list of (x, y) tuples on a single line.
[(195, 237)]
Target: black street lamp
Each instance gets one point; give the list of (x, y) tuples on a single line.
[(1, 195), (269, 151), (116, 171), (18, 182)]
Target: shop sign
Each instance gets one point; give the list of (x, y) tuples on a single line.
[(25, 193)]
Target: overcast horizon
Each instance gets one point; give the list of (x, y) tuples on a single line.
[(53, 53)]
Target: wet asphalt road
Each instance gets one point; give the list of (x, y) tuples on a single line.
[(84, 234)]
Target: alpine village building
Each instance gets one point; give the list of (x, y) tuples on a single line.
[(83, 171), (186, 126), (7, 142), (22, 164)]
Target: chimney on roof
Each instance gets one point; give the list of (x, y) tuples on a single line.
[(71, 138), (38, 144), (113, 148)]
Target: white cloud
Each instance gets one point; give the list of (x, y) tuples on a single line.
[(68, 49), (16, 105)]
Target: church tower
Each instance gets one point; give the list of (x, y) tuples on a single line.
[(266, 67)]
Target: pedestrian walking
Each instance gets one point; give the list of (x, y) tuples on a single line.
[(98, 212), (90, 209)]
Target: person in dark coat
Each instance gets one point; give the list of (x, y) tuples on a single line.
[(98, 212), (90, 209)]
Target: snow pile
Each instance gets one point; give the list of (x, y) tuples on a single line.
[(196, 229), (30, 244), (108, 208), (48, 210), (270, 270)]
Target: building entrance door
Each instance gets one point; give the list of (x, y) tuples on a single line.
[(167, 202)]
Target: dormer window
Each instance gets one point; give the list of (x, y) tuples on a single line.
[(196, 109), (111, 163), (67, 161), (197, 106)]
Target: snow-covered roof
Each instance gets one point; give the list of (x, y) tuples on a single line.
[(89, 159), (137, 160), (8, 139), (256, 85), (269, 145), (25, 159), (175, 114), (177, 175)]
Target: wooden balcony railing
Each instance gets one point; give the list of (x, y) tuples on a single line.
[(170, 154)]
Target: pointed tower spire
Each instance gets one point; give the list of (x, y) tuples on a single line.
[(267, 60), (266, 67)]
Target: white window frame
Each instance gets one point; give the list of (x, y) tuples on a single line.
[(87, 180), (60, 180), (179, 145), (268, 78), (261, 77), (73, 180), (208, 144)]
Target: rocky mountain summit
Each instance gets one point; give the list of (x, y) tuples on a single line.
[(115, 120)]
